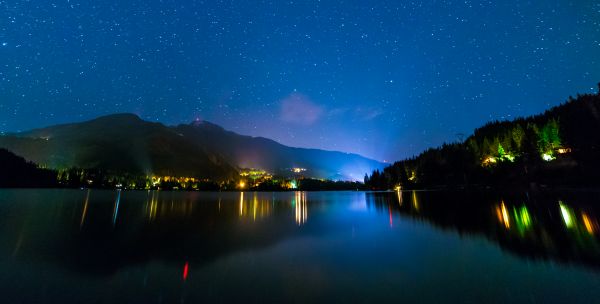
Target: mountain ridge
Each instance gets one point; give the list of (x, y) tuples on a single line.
[(125, 142)]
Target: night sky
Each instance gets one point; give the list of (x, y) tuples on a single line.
[(385, 79)]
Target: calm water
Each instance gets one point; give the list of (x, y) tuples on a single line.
[(74, 246)]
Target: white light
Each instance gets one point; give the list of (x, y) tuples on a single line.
[(547, 157)]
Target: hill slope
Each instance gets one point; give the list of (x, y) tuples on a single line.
[(122, 143), (259, 152)]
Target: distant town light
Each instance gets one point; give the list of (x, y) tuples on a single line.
[(298, 170)]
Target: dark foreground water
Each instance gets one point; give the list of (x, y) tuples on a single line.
[(91, 246)]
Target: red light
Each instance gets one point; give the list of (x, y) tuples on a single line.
[(185, 270)]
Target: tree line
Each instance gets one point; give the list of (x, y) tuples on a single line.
[(558, 147), (16, 172)]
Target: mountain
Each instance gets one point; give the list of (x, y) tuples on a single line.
[(126, 143), (122, 143), (558, 147), (269, 155)]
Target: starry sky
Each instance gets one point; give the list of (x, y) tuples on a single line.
[(385, 79)]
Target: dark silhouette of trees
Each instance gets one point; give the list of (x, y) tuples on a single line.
[(559, 146), (15, 171)]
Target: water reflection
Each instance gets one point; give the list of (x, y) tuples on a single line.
[(543, 227), (116, 210), (85, 207), (301, 208), (591, 225), (116, 228), (77, 246), (254, 206), (152, 205), (519, 217)]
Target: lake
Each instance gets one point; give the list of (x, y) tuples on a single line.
[(100, 246)]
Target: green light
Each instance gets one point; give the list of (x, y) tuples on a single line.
[(501, 151), (522, 219), (525, 216), (510, 158)]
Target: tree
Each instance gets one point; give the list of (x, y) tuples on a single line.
[(549, 137), (517, 135), (501, 151)]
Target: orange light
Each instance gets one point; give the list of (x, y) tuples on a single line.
[(588, 223), (502, 214), (489, 160), (499, 214), (564, 150)]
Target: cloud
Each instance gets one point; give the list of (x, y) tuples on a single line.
[(370, 114), (299, 109)]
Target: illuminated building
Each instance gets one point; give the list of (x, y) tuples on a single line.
[(548, 157), (489, 160), (563, 150)]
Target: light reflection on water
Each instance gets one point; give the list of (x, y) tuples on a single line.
[(155, 246), (542, 228)]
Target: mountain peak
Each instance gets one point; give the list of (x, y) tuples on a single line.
[(199, 123), (119, 116)]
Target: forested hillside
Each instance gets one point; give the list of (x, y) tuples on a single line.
[(559, 147)]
